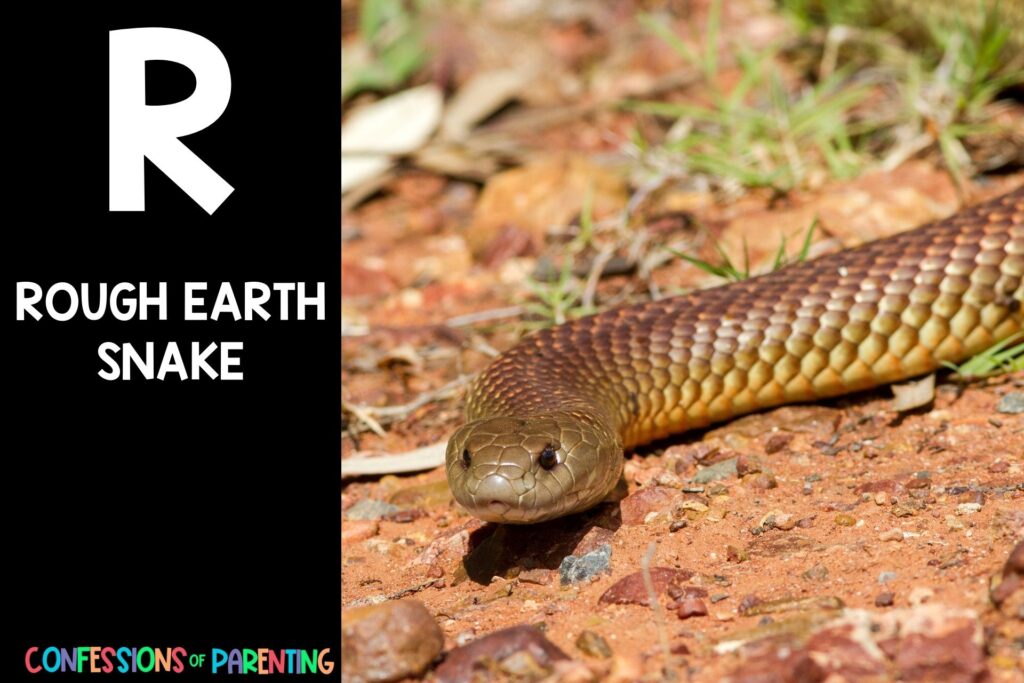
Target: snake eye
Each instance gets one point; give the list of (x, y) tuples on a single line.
[(548, 458), (465, 458)]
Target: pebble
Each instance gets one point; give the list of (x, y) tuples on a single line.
[(358, 530), (593, 645), (776, 442), (691, 607), (636, 507), (632, 589), (370, 508), (577, 568), (388, 642), (726, 469), (968, 508), (520, 651), (1012, 403), (891, 535), (748, 464), (884, 599)]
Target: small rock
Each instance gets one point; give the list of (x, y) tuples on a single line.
[(358, 530), (881, 498), (592, 540), (886, 577), (635, 507), (884, 599), (691, 607), (593, 645), (776, 442), (677, 525), (763, 481), (388, 642), (891, 535), (498, 647), (726, 469), (632, 589), (576, 568), (774, 545), (1012, 403), (778, 520), (748, 464), (968, 508), (370, 508)]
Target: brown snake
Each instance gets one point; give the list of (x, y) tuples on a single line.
[(548, 421)]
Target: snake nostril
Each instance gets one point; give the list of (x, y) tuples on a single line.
[(466, 458)]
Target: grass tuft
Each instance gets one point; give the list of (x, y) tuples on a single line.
[(996, 360)]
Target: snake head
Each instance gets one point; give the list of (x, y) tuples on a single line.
[(521, 470)]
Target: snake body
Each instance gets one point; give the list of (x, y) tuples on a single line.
[(548, 421)]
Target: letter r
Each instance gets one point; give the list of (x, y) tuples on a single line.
[(138, 131)]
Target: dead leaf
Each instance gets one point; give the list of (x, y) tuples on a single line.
[(374, 136)]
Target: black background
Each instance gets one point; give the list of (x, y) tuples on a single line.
[(195, 514)]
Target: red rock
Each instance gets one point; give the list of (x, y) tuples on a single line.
[(777, 442), (453, 544), (844, 655), (884, 599), (637, 506), (459, 665), (631, 589), (747, 464), (353, 531), (889, 486), (784, 666), (592, 540), (388, 642), (691, 607), (955, 657)]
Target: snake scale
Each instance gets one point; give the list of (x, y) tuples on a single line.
[(548, 420)]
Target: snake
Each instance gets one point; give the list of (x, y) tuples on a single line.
[(548, 421)]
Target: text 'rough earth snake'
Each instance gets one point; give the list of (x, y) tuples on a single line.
[(548, 421)]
